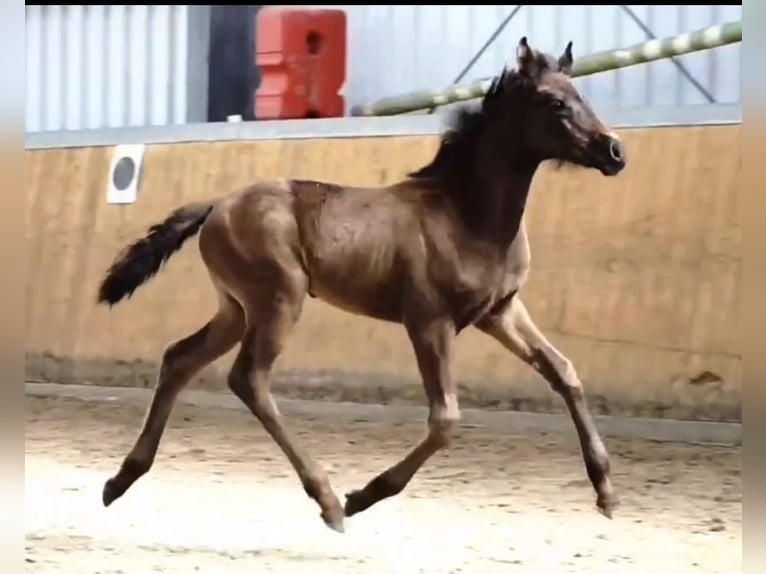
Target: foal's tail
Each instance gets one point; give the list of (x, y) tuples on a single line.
[(140, 260)]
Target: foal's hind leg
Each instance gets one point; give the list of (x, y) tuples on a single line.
[(250, 380), (515, 330), (432, 342), (181, 361)]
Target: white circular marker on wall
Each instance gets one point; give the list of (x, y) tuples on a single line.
[(125, 173)]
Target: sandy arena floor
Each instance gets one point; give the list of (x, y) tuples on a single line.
[(221, 498)]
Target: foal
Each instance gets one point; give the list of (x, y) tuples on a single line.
[(442, 250)]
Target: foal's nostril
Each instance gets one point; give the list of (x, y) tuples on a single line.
[(615, 150)]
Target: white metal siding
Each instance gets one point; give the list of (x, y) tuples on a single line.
[(397, 49), (114, 66)]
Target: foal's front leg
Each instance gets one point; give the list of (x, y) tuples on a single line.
[(515, 330), (432, 342)]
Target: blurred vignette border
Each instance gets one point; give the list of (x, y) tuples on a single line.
[(753, 204), (12, 96)]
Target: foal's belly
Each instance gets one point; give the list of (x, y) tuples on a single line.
[(379, 301), (381, 296), (359, 280)]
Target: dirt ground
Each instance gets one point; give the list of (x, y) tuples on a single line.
[(221, 498)]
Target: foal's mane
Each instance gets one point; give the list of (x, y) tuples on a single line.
[(455, 167), (458, 168), (455, 153), (455, 163)]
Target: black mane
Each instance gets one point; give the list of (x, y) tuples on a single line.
[(466, 167), (456, 147), (456, 155)]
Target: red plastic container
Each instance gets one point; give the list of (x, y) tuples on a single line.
[(301, 55)]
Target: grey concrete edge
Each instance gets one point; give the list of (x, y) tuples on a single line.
[(354, 127), (694, 432)]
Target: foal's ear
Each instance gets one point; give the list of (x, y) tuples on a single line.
[(526, 62), (566, 60), (496, 86)]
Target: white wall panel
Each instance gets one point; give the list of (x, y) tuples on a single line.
[(396, 49), (113, 66)]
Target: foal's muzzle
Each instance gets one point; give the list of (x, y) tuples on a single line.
[(609, 154)]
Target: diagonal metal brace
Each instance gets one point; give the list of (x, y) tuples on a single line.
[(681, 68), (483, 49)]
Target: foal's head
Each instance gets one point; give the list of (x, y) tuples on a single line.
[(537, 111)]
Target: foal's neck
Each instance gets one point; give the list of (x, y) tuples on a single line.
[(505, 184), (487, 174)]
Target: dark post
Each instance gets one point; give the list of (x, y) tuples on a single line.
[(232, 75)]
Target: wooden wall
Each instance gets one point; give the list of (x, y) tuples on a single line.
[(636, 278)]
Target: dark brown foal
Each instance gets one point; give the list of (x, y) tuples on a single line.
[(442, 250)]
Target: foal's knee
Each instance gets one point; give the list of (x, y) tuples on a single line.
[(177, 364), (568, 381), (259, 402), (442, 432), (239, 384), (560, 373), (443, 422)]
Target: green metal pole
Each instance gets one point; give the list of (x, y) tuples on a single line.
[(650, 51)]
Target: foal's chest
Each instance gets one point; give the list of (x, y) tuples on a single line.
[(470, 301)]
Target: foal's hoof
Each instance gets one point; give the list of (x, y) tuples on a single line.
[(607, 504), (112, 491), (334, 519), (355, 502)]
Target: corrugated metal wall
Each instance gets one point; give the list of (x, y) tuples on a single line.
[(396, 49), (114, 66)]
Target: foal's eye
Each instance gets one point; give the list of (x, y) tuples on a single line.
[(557, 105)]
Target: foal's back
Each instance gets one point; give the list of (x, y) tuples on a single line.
[(361, 245), (364, 249)]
